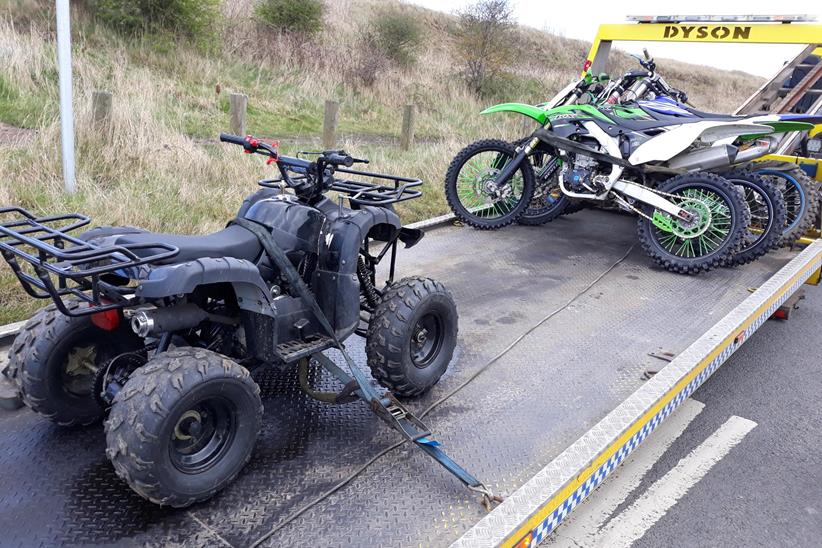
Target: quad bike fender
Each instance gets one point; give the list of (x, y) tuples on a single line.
[(183, 278), (336, 284), (530, 111), (670, 143)]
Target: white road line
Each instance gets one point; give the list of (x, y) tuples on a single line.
[(581, 528), (630, 525)]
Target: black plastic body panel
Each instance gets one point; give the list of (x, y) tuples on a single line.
[(335, 282), (183, 278)]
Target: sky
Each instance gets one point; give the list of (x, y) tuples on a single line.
[(567, 19)]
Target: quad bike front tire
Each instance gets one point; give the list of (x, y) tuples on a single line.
[(721, 222), (411, 336), (183, 426), (54, 358), (466, 185)]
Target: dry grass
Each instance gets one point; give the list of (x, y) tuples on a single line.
[(153, 169)]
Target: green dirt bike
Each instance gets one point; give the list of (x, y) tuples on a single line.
[(652, 164)]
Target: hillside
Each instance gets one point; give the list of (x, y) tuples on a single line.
[(160, 167)]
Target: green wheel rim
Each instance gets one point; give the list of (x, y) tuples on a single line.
[(707, 233), (473, 186)]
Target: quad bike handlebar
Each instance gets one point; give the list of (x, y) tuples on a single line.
[(252, 145), (313, 178)]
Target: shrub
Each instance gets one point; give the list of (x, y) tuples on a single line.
[(194, 18), (366, 61), (398, 36), (303, 17), (484, 36)]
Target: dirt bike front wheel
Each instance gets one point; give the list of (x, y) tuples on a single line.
[(716, 231), (548, 202), (472, 192)]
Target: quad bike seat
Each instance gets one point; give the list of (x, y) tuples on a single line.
[(234, 241)]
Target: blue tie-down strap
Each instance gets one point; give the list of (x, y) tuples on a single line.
[(432, 448)]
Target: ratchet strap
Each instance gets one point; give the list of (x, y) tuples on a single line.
[(386, 407)]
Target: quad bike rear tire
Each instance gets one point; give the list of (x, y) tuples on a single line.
[(768, 214), (183, 426), (411, 336), (54, 358), (736, 218), (514, 208)]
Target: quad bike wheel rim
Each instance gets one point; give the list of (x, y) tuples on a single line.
[(477, 191), (202, 435), (426, 339), (706, 233), (79, 370)]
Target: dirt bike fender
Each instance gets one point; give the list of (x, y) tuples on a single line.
[(530, 111), (670, 143)]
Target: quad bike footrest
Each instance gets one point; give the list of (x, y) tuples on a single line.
[(293, 351)]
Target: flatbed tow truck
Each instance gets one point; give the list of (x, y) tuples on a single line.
[(567, 361)]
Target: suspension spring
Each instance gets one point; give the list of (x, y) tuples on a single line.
[(372, 297)]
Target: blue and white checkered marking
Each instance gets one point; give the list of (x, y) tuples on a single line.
[(555, 518)]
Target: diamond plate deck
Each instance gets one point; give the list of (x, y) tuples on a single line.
[(57, 487)]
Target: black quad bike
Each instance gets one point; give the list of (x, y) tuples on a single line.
[(161, 332)]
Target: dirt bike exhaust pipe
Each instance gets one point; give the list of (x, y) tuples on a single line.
[(722, 156), (155, 322), (762, 146)]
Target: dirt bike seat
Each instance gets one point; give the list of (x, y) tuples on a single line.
[(234, 241), (714, 115)]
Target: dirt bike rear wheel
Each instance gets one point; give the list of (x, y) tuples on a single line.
[(469, 185), (717, 232), (768, 215), (801, 195)]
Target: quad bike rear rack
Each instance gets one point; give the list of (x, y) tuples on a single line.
[(62, 265)]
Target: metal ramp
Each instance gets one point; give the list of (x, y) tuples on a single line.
[(796, 88)]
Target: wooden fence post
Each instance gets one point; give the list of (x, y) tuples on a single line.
[(101, 110), (528, 125), (330, 124), (407, 137), (238, 106)]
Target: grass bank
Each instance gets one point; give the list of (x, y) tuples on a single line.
[(160, 167)]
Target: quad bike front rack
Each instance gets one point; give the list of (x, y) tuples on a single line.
[(62, 265)]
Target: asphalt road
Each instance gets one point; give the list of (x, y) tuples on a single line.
[(744, 466)]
